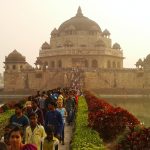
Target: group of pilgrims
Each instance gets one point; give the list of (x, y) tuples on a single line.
[(40, 123)]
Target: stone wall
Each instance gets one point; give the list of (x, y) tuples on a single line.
[(93, 79), (13, 81), (125, 78)]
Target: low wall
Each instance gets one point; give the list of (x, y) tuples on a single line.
[(124, 96)]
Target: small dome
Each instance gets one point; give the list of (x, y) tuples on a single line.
[(15, 57), (45, 45), (54, 32), (146, 62), (106, 32), (116, 46), (79, 23), (139, 63), (148, 57)]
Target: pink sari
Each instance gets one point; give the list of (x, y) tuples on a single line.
[(29, 147)]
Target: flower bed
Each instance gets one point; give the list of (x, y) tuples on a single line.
[(136, 138), (111, 122), (10, 105), (106, 119)]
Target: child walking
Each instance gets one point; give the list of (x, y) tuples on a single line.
[(50, 142)]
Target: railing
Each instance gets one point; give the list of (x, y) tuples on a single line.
[(80, 51)]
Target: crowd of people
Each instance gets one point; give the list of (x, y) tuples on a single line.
[(40, 123)]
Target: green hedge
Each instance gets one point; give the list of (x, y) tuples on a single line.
[(85, 138), (6, 115)]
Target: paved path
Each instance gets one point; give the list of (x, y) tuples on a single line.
[(68, 136)]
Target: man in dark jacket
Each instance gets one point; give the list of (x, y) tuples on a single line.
[(54, 119)]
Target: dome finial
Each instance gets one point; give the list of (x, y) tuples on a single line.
[(79, 12)]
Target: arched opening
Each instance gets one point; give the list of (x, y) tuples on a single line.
[(21, 67), (114, 64), (108, 64), (68, 44), (86, 64), (118, 65), (14, 67), (52, 64), (59, 64), (94, 64)]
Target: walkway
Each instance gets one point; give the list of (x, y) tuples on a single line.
[(68, 136)]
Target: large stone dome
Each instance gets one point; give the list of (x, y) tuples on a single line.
[(147, 61), (79, 23), (15, 57), (148, 57)]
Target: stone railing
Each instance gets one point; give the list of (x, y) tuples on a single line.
[(80, 51)]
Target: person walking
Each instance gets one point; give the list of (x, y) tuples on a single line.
[(15, 140), (19, 119), (38, 111), (70, 108), (54, 119), (35, 133), (63, 112), (50, 142)]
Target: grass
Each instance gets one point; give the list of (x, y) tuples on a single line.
[(84, 138), (139, 107)]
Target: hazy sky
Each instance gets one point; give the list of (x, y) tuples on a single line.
[(26, 24)]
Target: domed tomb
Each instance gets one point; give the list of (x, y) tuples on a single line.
[(81, 39)]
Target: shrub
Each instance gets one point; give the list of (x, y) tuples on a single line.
[(96, 104), (11, 104), (111, 122), (1, 110), (106, 119), (135, 138), (5, 107)]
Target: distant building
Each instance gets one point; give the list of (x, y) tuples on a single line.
[(78, 45)]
